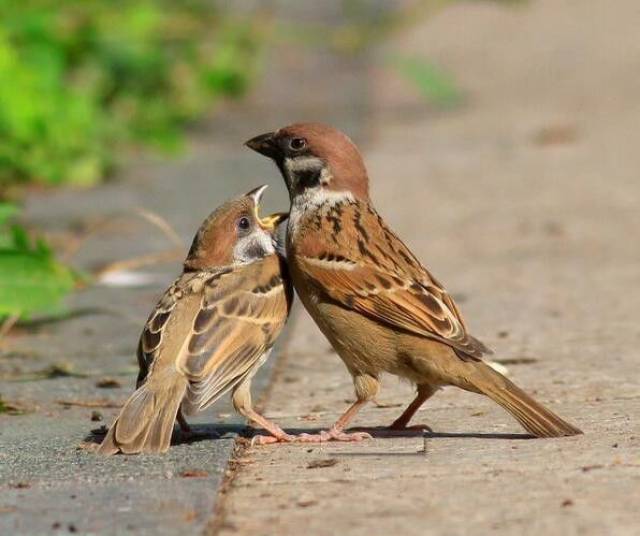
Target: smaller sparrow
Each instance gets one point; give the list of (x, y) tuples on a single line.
[(377, 304), (210, 331)]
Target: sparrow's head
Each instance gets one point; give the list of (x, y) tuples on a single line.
[(234, 233), (314, 158)]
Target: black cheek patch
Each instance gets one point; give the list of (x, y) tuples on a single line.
[(255, 251), (309, 178)]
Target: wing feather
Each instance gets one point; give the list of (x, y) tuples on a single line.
[(228, 336), (361, 274)]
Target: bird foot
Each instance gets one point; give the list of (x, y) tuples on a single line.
[(270, 440), (333, 435)]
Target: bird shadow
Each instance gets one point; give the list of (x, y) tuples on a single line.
[(476, 435), (381, 432), (426, 435), (215, 432), (199, 432)]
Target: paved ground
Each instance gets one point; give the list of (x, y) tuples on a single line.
[(525, 202), (47, 483)]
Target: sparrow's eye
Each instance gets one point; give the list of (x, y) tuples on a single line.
[(297, 144), (244, 224)]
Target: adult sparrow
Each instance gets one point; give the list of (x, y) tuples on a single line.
[(211, 330), (371, 297)]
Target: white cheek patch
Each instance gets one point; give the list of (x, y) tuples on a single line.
[(303, 163), (325, 176), (295, 168), (255, 246)]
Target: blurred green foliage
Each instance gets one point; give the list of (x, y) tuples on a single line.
[(434, 84), (81, 79), (31, 279)]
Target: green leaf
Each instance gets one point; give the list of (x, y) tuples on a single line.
[(433, 83), (79, 80), (20, 238), (31, 281), (7, 211)]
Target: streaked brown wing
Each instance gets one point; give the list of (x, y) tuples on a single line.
[(238, 320), (151, 337), (367, 268)]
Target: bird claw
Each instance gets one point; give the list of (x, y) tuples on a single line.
[(333, 435), (269, 440)]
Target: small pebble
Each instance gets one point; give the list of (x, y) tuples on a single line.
[(194, 473), (108, 383), (316, 464)]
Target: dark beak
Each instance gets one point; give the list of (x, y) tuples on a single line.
[(264, 144)]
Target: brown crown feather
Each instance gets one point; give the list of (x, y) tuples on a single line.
[(338, 151), (213, 244)]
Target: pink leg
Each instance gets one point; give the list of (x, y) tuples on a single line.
[(336, 432), (278, 435)]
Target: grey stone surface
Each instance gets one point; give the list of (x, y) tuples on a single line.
[(49, 483)]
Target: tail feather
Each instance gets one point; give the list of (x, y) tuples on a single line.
[(533, 416), (146, 421)]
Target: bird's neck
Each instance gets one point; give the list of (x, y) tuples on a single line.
[(312, 201)]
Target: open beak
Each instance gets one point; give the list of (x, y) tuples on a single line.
[(270, 222), (264, 144)]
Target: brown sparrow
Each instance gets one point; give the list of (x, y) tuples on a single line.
[(211, 330), (379, 307)]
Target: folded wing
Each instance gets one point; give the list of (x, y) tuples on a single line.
[(238, 320), (378, 276)]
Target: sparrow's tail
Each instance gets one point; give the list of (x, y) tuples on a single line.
[(146, 421), (533, 416)]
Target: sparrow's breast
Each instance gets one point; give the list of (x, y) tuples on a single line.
[(364, 345)]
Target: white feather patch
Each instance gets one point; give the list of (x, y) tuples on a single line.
[(311, 200), (302, 163), (244, 250)]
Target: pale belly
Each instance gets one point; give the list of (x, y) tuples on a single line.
[(364, 345), (367, 347)]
